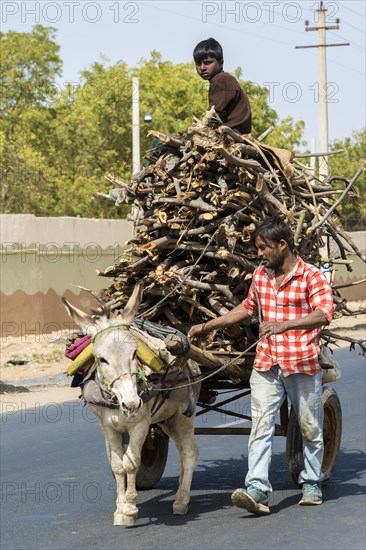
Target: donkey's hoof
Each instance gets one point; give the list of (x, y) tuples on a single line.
[(128, 521), (118, 519), (180, 509)]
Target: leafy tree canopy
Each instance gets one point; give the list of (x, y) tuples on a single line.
[(57, 146), (29, 65), (346, 164)]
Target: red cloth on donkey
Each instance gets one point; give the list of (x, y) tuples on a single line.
[(77, 347)]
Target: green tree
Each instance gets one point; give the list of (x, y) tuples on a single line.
[(30, 63), (92, 136), (287, 133), (58, 145), (346, 164)]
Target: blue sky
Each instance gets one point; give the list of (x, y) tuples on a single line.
[(258, 36)]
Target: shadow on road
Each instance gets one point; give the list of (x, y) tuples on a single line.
[(214, 481)]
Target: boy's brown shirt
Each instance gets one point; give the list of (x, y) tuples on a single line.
[(231, 103)]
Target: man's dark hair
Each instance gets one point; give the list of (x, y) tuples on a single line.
[(209, 47), (275, 229)]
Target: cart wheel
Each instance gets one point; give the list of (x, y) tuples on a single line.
[(332, 431), (153, 457)]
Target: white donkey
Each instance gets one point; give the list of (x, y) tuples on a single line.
[(115, 350)]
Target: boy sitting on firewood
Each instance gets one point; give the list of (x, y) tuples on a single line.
[(225, 94), (230, 102)]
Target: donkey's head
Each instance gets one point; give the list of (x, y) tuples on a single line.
[(114, 349)]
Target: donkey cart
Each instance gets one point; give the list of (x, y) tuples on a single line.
[(222, 391)]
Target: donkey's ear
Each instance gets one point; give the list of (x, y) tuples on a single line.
[(133, 303), (82, 319)]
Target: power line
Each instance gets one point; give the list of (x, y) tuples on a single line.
[(240, 31), (353, 27), (274, 25), (343, 38), (217, 25), (353, 11), (346, 67)]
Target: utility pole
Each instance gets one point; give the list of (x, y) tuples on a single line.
[(322, 71), (135, 125), (313, 151), (323, 96)]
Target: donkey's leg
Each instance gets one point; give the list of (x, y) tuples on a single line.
[(114, 440), (181, 430), (131, 463)]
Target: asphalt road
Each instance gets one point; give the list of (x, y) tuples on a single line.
[(58, 493)]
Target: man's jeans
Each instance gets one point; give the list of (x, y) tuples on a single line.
[(268, 391)]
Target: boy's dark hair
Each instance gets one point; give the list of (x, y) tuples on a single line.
[(275, 229), (209, 47)]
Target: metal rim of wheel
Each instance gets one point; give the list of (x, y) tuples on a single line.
[(332, 431)]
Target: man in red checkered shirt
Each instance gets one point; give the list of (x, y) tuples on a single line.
[(293, 300)]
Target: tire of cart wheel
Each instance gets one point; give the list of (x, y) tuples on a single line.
[(332, 431), (154, 455)]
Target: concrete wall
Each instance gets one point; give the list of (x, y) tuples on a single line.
[(358, 266), (27, 229), (43, 259)]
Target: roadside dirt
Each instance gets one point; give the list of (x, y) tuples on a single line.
[(32, 356), (42, 375), (41, 379)]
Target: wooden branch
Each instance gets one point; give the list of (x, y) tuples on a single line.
[(328, 154), (353, 341), (348, 239), (230, 132), (224, 289), (172, 141), (338, 202), (266, 133), (198, 204), (347, 285), (204, 357), (196, 304), (268, 198), (239, 161)]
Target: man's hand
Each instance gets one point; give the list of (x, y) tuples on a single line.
[(236, 315), (268, 329), (195, 332), (313, 320)]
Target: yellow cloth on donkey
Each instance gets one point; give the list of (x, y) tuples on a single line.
[(80, 360), (146, 355)]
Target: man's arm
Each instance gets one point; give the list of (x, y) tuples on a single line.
[(321, 302), (315, 319), (236, 315)]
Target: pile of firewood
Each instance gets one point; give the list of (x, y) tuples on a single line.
[(194, 212)]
